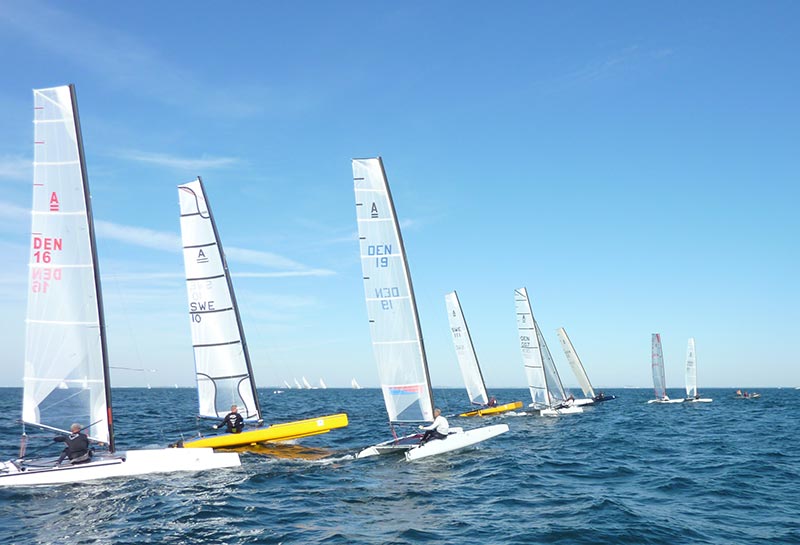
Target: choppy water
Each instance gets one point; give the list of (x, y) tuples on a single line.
[(623, 472)]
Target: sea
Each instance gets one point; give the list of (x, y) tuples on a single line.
[(726, 472)]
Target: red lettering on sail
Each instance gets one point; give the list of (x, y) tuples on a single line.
[(47, 243), (54, 205)]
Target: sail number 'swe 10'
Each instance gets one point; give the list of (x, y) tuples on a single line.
[(43, 249)]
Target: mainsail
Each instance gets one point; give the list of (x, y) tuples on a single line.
[(691, 370), (66, 376), (465, 351), (391, 308), (575, 363), (659, 381), (531, 351), (221, 358), (554, 385)]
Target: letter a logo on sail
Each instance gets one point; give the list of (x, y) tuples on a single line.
[(201, 256), (374, 211), (54, 206)]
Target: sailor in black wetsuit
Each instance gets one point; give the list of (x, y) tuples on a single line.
[(77, 449), (233, 421)]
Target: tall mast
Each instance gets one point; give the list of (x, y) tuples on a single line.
[(95, 266), (471, 345), (233, 301)]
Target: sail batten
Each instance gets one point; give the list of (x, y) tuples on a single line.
[(465, 351), (66, 363), (222, 362), (391, 309)]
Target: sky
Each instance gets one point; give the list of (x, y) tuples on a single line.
[(634, 165)]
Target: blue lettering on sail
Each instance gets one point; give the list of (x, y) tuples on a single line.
[(379, 249)]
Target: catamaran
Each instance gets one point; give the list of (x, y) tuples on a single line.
[(691, 376), (394, 323), (468, 362), (67, 378), (659, 380), (580, 372), (547, 392), (222, 359), (354, 384)]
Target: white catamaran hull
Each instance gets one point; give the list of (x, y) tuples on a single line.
[(555, 412), (456, 439), (120, 464), (666, 401), (582, 402), (699, 400)]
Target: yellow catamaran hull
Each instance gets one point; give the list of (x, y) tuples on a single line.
[(494, 410), (274, 433)]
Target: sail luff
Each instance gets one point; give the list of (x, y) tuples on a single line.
[(222, 359), (575, 363), (66, 377), (396, 334), (465, 351)]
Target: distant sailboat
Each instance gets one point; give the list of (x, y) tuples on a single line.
[(354, 384), (659, 380), (287, 385), (67, 377), (547, 392), (468, 362), (308, 384), (222, 359), (297, 385), (580, 372), (691, 376), (394, 323), (322, 384)]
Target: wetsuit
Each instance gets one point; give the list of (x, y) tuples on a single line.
[(233, 422), (77, 449)]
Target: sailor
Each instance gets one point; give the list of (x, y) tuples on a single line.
[(77, 446), (438, 429), (233, 421), (492, 402)]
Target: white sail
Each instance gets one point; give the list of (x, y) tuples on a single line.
[(659, 380), (297, 385), (322, 384), (691, 370), (531, 351), (554, 385), (354, 384), (465, 351), (575, 363), (222, 362), (66, 364), (287, 384), (391, 308)]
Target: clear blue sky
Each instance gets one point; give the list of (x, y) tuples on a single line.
[(635, 165)]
